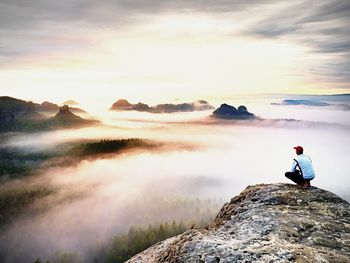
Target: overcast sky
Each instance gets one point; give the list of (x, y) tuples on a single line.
[(145, 50)]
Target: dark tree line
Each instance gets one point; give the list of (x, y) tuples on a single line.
[(108, 146), (138, 239), (125, 246)]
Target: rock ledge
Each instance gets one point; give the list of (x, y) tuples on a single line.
[(265, 223)]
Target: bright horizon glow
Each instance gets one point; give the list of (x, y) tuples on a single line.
[(167, 56)]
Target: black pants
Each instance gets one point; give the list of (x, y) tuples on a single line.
[(296, 177)]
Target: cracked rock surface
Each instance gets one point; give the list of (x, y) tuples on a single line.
[(265, 223)]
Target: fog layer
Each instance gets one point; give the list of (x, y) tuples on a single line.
[(97, 199)]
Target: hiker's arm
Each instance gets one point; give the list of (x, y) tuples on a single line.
[(294, 166)]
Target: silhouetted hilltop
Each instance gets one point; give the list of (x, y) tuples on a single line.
[(14, 105), (141, 107), (66, 118), (20, 115), (47, 106), (51, 108), (265, 223), (226, 111), (13, 111), (121, 104), (124, 105)]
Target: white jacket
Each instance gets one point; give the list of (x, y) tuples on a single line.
[(304, 164)]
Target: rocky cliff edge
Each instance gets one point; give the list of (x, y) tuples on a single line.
[(265, 223)]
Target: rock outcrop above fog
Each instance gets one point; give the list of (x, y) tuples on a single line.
[(121, 104), (49, 108), (226, 111), (24, 116), (124, 105), (18, 107), (266, 223), (65, 118)]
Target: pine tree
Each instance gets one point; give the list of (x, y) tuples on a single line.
[(173, 228), (167, 229), (161, 232), (181, 228)]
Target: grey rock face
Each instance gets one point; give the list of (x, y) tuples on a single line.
[(265, 223)]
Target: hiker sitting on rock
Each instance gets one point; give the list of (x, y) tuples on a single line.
[(302, 170)]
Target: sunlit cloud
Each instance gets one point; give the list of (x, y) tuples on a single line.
[(173, 48)]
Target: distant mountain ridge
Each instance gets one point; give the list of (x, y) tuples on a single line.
[(20, 115), (302, 102), (66, 118), (316, 103), (15, 105), (49, 107), (124, 105)]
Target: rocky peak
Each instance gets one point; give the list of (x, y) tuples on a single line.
[(242, 108), (266, 223), (121, 104), (226, 111), (64, 109)]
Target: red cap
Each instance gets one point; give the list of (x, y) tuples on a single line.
[(299, 149)]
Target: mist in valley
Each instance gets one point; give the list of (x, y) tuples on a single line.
[(199, 164)]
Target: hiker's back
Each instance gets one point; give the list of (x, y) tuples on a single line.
[(306, 166)]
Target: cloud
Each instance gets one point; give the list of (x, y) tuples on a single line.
[(305, 17), (45, 27), (320, 26), (34, 14), (41, 26)]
